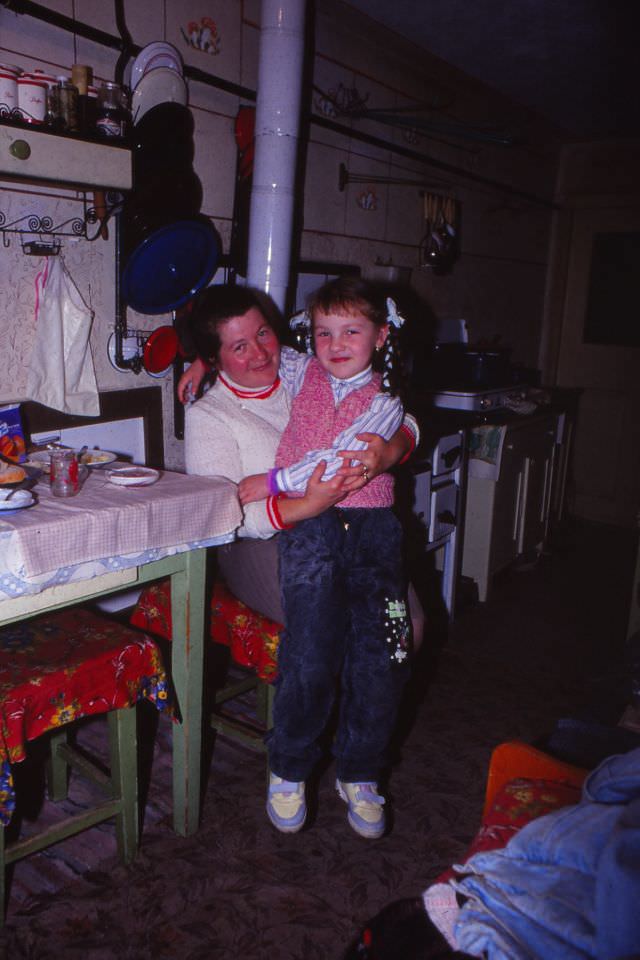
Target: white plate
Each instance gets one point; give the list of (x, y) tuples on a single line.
[(133, 476), (19, 501), (161, 85), (157, 54), (97, 458)]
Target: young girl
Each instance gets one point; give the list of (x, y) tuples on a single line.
[(342, 584)]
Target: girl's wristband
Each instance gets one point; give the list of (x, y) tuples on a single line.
[(272, 481)]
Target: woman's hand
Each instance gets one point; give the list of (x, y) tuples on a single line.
[(189, 382), (254, 487), (319, 496), (379, 456)]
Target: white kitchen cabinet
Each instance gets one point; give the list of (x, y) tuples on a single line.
[(507, 518), (37, 156)]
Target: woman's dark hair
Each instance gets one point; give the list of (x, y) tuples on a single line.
[(216, 305), (350, 293)]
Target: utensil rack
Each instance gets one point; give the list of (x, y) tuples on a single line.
[(48, 233), (345, 177)]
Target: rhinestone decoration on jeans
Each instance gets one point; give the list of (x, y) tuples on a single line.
[(397, 629)]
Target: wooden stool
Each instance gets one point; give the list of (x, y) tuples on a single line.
[(253, 642), (54, 670)]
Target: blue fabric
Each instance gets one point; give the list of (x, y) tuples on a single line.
[(342, 589), (567, 886)]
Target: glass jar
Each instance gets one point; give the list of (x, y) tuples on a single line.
[(64, 473), (64, 105), (112, 118)]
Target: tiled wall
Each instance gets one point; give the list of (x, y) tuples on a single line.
[(498, 282)]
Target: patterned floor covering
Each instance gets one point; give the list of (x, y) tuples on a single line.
[(547, 645)]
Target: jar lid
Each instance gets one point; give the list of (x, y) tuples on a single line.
[(33, 81)]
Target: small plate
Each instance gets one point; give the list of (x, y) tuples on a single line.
[(17, 502), (133, 476), (97, 458), (156, 54), (161, 85)]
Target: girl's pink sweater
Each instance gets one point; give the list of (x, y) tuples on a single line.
[(315, 421)]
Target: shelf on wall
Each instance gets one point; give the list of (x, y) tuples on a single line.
[(36, 156)]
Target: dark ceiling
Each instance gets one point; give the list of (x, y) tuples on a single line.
[(574, 61)]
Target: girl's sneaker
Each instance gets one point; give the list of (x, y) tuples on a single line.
[(366, 815), (286, 804)]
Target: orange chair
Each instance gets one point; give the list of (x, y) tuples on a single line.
[(252, 640), (515, 760)]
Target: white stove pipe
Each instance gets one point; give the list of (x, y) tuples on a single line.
[(276, 146)]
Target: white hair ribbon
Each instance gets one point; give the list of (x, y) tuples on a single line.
[(393, 316)]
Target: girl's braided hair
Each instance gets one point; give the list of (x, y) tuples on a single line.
[(352, 294)]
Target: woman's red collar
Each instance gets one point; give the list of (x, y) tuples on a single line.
[(250, 394)]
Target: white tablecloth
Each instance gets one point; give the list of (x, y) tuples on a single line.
[(106, 528)]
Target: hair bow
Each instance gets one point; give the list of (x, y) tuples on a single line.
[(393, 316)]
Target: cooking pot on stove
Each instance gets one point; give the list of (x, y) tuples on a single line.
[(458, 366)]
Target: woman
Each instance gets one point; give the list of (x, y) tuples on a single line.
[(235, 428)]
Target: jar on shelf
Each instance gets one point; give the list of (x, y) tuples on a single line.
[(64, 98), (8, 89), (32, 100), (112, 121)]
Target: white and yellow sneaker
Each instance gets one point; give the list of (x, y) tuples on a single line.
[(286, 804), (366, 815)]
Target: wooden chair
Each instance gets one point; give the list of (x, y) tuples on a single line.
[(54, 670), (252, 640)]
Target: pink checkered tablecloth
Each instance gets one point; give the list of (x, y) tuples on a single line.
[(105, 520)]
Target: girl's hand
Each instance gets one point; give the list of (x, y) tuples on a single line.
[(189, 382), (255, 487)]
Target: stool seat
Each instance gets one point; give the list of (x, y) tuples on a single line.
[(252, 638), (60, 667), (54, 670)]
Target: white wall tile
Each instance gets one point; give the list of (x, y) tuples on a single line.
[(215, 162)]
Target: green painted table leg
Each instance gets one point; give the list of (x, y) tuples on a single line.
[(187, 658)]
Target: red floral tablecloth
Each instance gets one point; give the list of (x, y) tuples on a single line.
[(253, 639), (60, 667)]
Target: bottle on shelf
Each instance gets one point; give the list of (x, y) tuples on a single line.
[(82, 78)]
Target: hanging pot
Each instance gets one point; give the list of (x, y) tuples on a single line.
[(160, 350), (168, 264), (162, 141)]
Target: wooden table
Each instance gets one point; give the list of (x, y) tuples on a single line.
[(141, 512)]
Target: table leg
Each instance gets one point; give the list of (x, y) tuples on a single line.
[(187, 658)]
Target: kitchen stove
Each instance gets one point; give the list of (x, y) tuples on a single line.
[(483, 401)]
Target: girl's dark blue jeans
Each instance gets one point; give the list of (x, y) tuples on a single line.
[(347, 632)]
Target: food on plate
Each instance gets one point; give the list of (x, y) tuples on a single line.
[(10, 473), (96, 456), (132, 473)]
